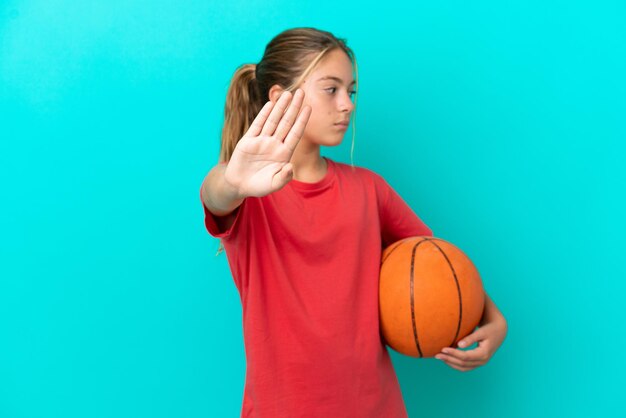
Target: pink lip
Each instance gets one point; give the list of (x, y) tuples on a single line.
[(343, 124)]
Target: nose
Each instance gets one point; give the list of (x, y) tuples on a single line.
[(345, 103)]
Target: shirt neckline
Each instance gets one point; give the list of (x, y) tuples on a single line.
[(324, 182)]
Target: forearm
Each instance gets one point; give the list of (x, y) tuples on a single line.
[(491, 312), (218, 195)]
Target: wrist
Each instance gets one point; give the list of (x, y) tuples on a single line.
[(231, 187), (219, 196)]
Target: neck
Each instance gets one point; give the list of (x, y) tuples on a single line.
[(308, 164)]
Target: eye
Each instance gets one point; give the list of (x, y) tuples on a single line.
[(352, 93), (331, 88)]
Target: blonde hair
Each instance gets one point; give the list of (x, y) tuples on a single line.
[(288, 59)]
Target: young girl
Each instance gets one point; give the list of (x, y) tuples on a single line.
[(304, 235)]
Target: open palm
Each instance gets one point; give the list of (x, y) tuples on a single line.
[(260, 161)]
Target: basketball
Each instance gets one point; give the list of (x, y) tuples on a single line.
[(431, 296)]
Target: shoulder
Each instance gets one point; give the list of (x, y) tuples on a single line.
[(364, 179), (358, 173)]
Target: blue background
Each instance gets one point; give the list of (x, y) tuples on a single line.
[(502, 124)]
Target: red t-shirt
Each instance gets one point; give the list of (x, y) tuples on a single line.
[(306, 262)]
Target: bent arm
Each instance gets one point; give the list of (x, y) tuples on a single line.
[(491, 312)]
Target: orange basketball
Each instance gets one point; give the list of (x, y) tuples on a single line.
[(431, 296)]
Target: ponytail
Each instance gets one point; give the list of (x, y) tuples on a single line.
[(288, 59), (243, 103)]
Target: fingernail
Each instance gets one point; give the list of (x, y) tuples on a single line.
[(462, 344), (438, 357), (445, 350)]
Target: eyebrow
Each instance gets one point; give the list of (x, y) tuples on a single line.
[(337, 79)]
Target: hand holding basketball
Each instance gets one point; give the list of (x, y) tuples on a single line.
[(432, 299), (489, 337), (260, 161), (431, 296)]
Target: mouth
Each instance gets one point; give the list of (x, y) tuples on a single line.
[(344, 124)]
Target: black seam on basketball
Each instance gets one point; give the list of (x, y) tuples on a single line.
[(456, 281), (417, 343)]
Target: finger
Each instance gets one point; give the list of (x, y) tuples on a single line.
[(259, 121), (290, 115), (454, 362), (460, 368), (458, 361), (475, 354), (476, 357), (483, 347), (297, 130), (283, 176), (277, 113), (475, 336)]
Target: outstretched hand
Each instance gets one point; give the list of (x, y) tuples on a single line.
[(489, 338), (260, 161)]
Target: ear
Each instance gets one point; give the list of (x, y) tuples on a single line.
[(275, 92)]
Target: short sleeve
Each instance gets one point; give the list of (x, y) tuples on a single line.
[(397, 219), (215, 225)]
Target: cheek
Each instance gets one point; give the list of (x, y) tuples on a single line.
[(319, 104), (318, 118), (315, 115), (315, 127), (312, 125), (319, 111), (320, 114)]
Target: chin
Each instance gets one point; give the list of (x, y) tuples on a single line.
[(333, 140), (331, 143)]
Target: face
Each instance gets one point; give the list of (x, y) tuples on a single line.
[(329, 90)]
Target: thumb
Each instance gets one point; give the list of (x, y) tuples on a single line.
[(284, 175), (471, 339), (287, 172)]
